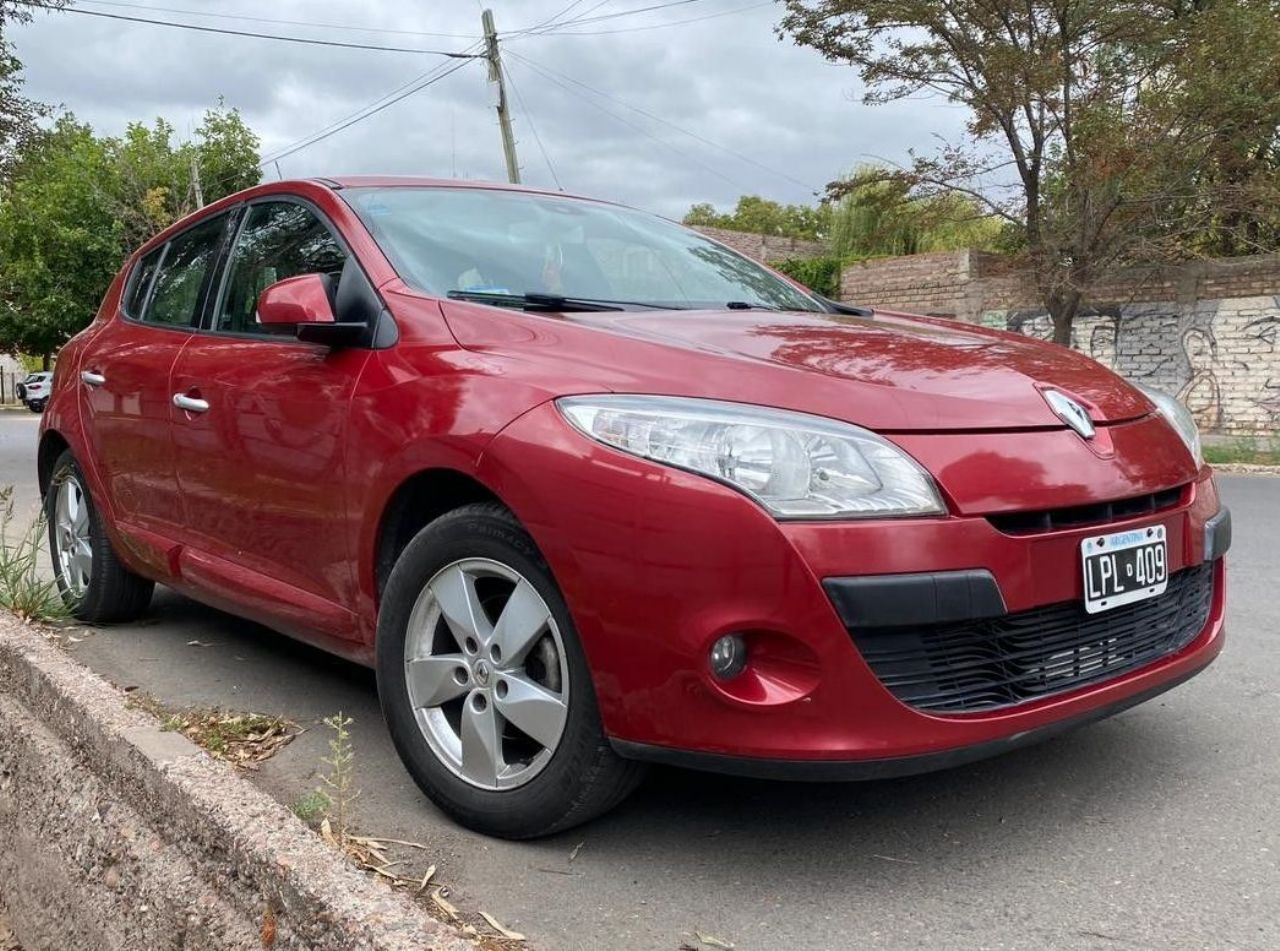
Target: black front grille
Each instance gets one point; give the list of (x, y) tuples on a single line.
[(1002, 661), (1079, 516)]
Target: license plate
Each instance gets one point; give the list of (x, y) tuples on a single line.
[(1124, 567)]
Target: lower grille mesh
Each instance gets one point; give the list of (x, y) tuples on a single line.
[(1002, 661)]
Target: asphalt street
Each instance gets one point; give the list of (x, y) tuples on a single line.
[(1159, 828)]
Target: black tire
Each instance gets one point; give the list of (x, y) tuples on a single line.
[(114, 593), (35, 406), (584, 776)]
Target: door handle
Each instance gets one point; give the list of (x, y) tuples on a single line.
[(92, 378), (190, 403)]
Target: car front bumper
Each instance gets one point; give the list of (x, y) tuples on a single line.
[(656, 564)]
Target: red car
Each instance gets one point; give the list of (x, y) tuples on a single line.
[(590, 490)]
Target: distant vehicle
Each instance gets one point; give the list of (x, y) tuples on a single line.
[(33, 391), (591, 490)]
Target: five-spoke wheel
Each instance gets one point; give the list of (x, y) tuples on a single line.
[(72, 546), (486, 671), (484, 684), (94, 583)]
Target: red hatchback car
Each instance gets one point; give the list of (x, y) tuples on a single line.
[(590, 490)]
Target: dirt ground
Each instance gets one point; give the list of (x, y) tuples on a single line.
[(7, 941)]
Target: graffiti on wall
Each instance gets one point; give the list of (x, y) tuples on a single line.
[(1219, 357)]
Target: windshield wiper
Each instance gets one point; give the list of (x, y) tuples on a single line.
[(746, 305), (537, 302)]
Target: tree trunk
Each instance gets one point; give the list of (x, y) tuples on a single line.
[(1063, 307), (44, 360)]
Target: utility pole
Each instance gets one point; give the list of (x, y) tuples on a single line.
[(195, 181), (504, 114)]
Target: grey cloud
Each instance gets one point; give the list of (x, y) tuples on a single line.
[(728, 79)]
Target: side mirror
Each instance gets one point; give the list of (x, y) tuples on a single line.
[(287, 304)]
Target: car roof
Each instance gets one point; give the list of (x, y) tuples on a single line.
[(337, 183)]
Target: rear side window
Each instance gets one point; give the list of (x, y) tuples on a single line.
[(140, 283), (180, 280), (279, 239)]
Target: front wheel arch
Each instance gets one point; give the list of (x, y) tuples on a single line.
[(52, 445), (415, 503)]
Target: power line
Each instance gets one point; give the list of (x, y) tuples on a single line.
[(641, 129), (557, 16), (390, 99), (532, 128), (262, 36), (666, 122), (652, 26), (611, 16), (548, 23), (346, 27)]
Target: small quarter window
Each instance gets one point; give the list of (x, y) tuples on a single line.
[(180, 281), (140, 283)]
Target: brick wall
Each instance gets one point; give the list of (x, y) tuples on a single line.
[(1206, 331), (765, 247)]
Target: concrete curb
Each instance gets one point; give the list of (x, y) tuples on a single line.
[(119, 835), (1245, 468)]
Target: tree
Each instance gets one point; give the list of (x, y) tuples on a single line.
[(76, 205), (763, 216), (157, 180), (18, 114), (1089, 133), (875, 214), (59, 239)]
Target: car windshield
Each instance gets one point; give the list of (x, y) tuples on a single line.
[(472, 242)]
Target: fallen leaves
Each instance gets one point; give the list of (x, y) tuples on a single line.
[(268, 933), (711, 941), (374, 855), (505, 932), (244, 740)]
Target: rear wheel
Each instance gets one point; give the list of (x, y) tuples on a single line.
[(485, 686), (94, 584)]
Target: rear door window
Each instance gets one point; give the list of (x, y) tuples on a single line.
[(183, 276)]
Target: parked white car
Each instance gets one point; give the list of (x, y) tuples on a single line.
[(33, 392)]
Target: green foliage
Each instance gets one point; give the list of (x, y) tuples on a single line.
[(18, 114), (311, 806), (821, 275), (872, 213), (76, 204), (157, 176), (877, 215), (60, 240), (762, 216), (24, 589), (1104, 132), (1259, 451)]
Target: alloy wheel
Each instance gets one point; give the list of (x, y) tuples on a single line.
[(487, 675), (72, 543)]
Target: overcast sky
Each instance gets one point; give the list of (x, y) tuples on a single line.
[(725, 78)]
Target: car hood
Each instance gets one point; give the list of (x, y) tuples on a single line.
[(887, 371)]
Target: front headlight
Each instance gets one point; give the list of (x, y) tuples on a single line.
[(1177, 416), (795, 465)]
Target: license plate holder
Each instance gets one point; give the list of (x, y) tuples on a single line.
[(1124, 567)]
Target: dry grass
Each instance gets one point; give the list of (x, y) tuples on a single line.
[(244, 740)]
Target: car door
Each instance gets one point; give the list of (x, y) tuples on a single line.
[(259, 423), (125, 386)]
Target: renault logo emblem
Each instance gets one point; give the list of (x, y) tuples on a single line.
[(1070, 412)]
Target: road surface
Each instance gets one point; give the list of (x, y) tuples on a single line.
[(1155, 829)]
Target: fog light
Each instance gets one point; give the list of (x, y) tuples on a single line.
[(728, 656)]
